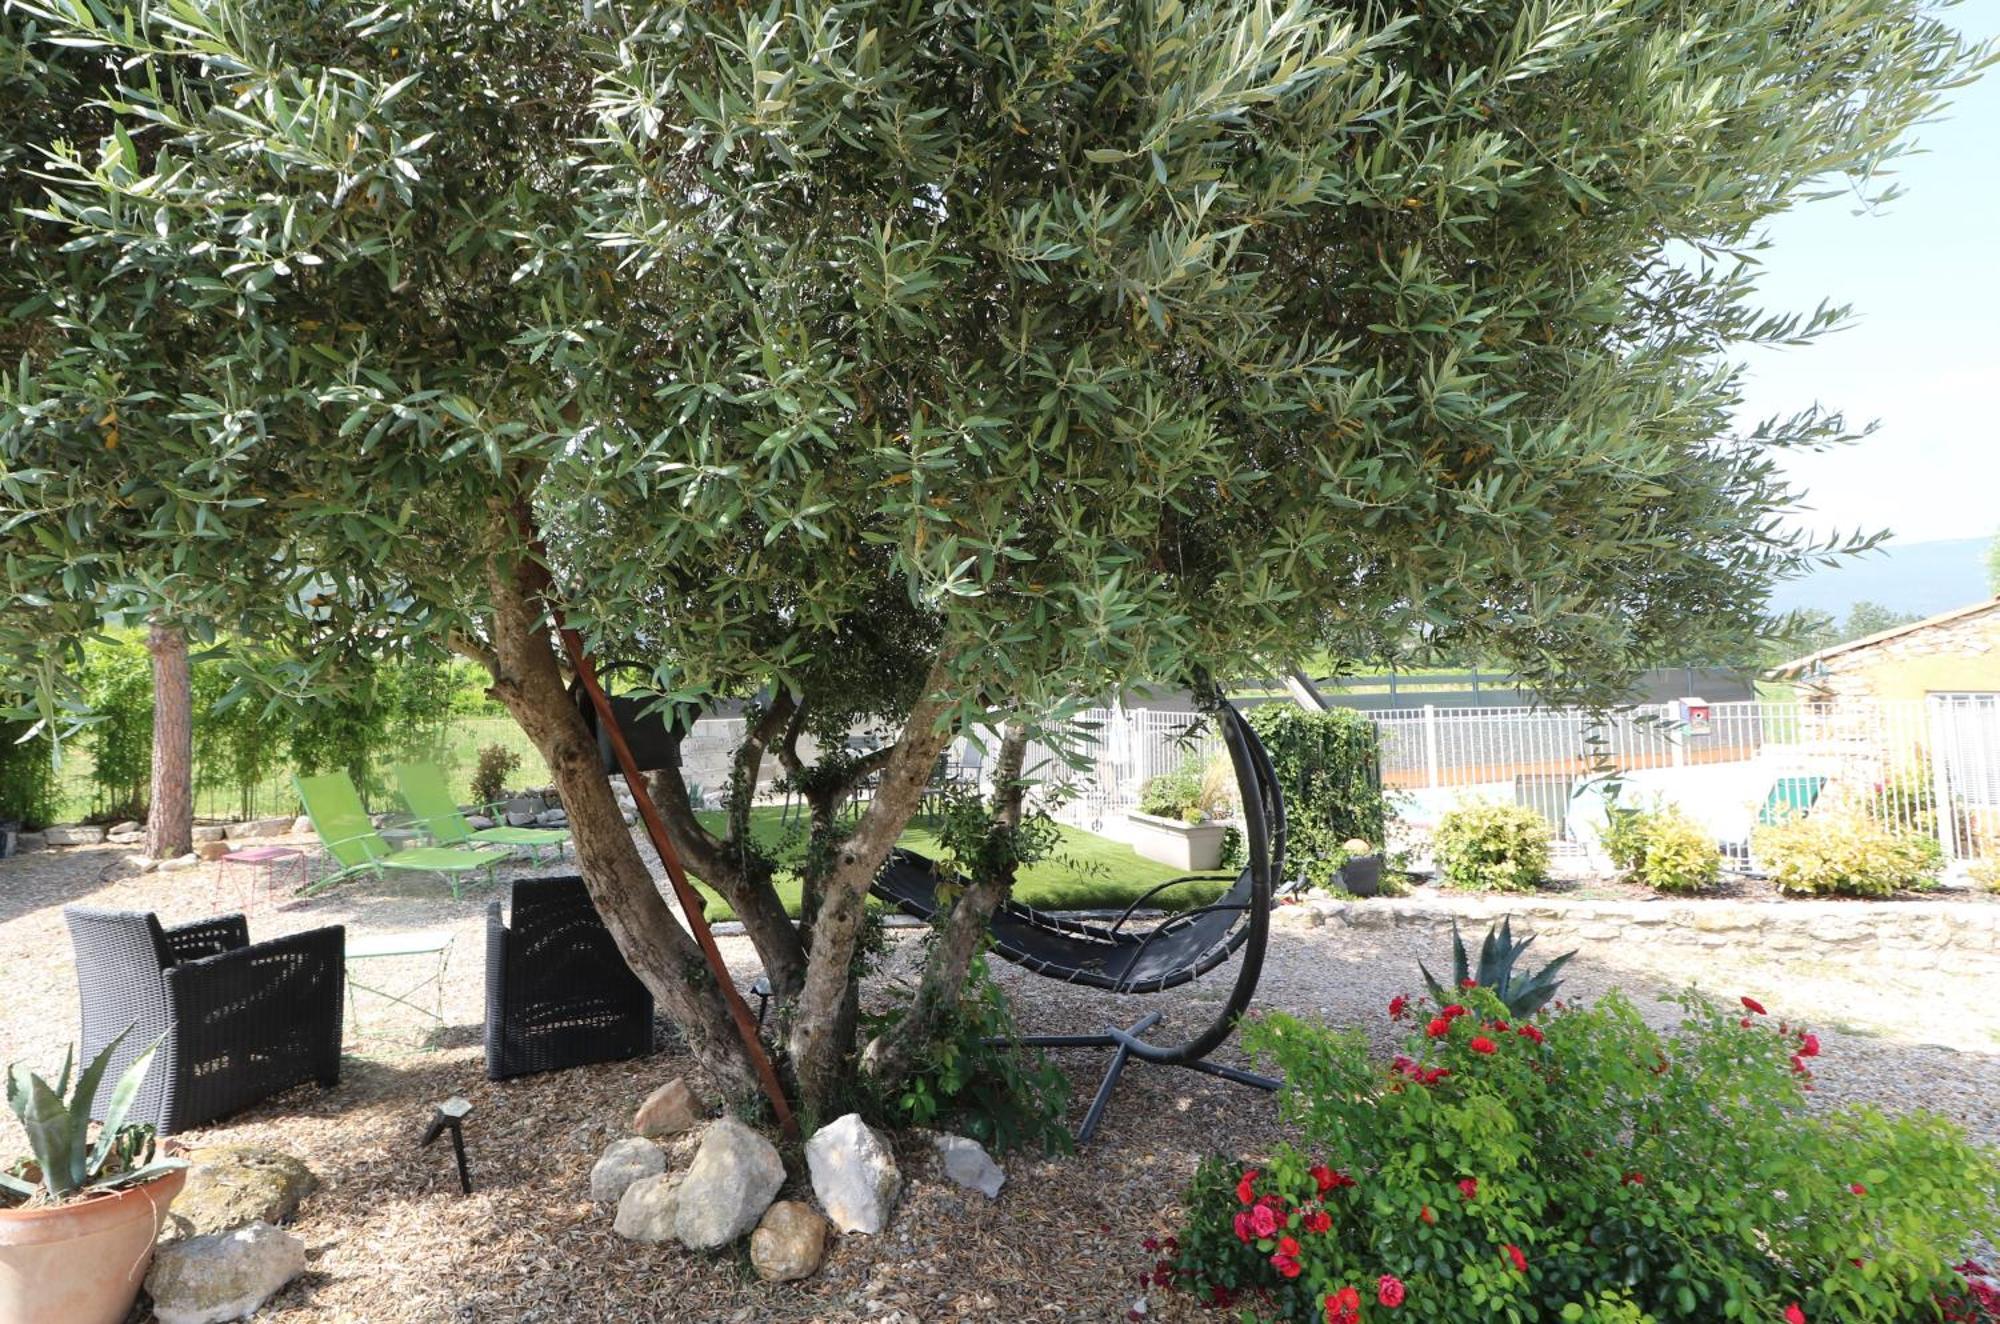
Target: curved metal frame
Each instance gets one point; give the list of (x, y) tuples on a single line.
[(1264, 820)]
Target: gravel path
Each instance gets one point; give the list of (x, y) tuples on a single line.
[(390, 1240)]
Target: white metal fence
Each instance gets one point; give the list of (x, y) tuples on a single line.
[(1924, 765)]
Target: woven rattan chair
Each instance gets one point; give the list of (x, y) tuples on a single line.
[(558, 993), (241, 1021)]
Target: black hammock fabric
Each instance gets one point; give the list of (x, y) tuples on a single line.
[(1179, 948)]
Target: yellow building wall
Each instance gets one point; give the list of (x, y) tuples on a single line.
[(1914, 677)]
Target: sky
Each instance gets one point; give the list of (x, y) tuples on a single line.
[(1922, 357)]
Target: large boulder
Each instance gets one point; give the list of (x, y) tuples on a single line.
[(734, 1177), (854, 1174), (668, 1111), (259, 827), (622, 1163), (208, 832), (206, 1280), (789, 1243), (967, 1163), (647, 1210), (74, 834), (232, 1186)]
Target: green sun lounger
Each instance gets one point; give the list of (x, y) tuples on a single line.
[(429, 799), (357, 848)]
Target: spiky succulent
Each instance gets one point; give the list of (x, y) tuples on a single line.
[(63, 1159), (1524, 995)]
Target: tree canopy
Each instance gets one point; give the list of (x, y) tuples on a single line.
[(944, 361)]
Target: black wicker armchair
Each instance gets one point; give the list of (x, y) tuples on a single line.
[(241, 1021), (558, 993)]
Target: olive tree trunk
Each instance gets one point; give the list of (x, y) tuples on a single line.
[(823, 1030), (528, 680), (170, 798), (958, 933)]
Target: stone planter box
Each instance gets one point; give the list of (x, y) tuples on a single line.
[(1195, 847)]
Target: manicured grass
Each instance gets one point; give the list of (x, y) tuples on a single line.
[(1089, 872)]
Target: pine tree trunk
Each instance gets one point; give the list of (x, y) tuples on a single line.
[(170, 801)]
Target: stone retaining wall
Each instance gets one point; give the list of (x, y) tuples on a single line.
[(1963, 936)]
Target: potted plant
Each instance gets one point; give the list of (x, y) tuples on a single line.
[(1361, 871), (78, 1217), (1179, 819)]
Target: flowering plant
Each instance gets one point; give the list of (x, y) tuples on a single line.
[(1581, 1167)]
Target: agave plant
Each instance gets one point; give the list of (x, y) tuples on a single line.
[(64, 1161), (1524, 995)]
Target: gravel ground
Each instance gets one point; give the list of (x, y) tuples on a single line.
[(390, 1240)]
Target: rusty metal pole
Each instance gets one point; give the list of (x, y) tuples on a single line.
[(691, 906)]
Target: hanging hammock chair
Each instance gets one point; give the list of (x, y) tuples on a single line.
[(1176, 950)]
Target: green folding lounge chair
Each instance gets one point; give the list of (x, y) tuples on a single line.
[(357, 848), (1790, 797), (429, 799)]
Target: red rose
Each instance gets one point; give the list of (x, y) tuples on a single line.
[(1322, 1177), (1858, 1189), (1453, 1012), (1809, 1046), (1286, 1265), (1264, 1221), (1468, 1187), (1243, 1193), (1751, 1004), (1396, 1006), (1745, 1022), (1244, 1232), (1319, 1221), (1436, 1074), (1389, 1290), (1288, 1247), (1635, 1179), (1481, 1044), (1531, 1032), (1468, 983), (1514, 1254), (1793, 1315), (1344, 1307), (1427, 1215), (1438, 1028)]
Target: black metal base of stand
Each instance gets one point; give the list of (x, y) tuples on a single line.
[(1124, 1045)]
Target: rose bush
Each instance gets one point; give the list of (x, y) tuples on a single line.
[(1581, 1167)]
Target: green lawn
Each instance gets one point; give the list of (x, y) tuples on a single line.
[(1088, 873)]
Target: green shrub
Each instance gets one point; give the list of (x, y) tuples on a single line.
[(28, 783), (1329, 765), (1173, 794), (1492, 848), (979, 1079), (489, 780), (117, 682), (1846, 855), (1663, 848), (1579, 1167)]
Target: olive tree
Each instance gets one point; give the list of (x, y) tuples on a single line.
[(922, 364)]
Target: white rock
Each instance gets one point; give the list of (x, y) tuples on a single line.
[(622, 1163), (734, 1177), (647, 1209), (966, 1162), (180, 863), (478, 822), (74, 834), (259, 827), (854, 1174), (206, 1280), (209, 832), (302, 826), (129, 825)]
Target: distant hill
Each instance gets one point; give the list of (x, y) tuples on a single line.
[(1921, 577)]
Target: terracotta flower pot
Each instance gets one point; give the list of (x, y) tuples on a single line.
[(81, 1263)]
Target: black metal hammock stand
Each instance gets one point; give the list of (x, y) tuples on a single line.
[(1178, 949)]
